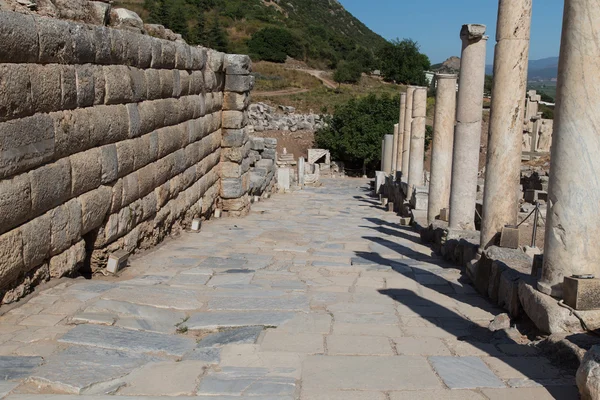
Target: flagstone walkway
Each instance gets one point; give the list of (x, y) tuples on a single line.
[(318, 294)]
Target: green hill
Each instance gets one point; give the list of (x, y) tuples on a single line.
[(322, 31)]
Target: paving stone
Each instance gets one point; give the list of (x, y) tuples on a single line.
[(111, 397), (141, 312), (223, 263), (160, 297), (541, 393), (309, 343), (95, 318), (348, 373), (285, 303), (522, 367), (247, 334), (42, 320), (417, 346), (166, 378), (210, 355), (7, 387), (465, 373), (358, 345), (313, 322), (14, 367), (231, 279), (109, 337), (185, 280), (437, 395), (341, 395), (147, 280), (79, 368), (231, 319)]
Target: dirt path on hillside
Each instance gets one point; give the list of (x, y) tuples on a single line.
[(283, 92)]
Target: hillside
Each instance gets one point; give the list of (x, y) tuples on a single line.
[(323, 29), (543, 70)]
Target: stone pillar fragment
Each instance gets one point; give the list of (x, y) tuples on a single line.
[(503, 165), (573, 221), (395, 148), (388, 152), (467, 136), (407, 127), (417, 140), (442, 143), (401, 132), (301, 163)]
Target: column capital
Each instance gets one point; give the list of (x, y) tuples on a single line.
[(473, 32)]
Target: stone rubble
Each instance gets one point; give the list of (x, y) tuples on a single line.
[(263, 117)]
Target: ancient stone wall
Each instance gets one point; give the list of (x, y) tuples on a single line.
[(263, 169), (263, 117), (109, 139)]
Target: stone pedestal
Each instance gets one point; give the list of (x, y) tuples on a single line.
[(467, 137), (388, 147), (401, 132), (301, 163), (503, 165), (283, 179), (395, 149), (442, 143), (573, 220), (417, 140), (407, 128)]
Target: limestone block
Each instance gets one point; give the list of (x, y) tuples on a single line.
[(183, 56), (116, 196), (19, 38), (109, 162), (84, 47), (72, 131), (234, 137), (233, 188), (146, 151), (45, 87), (199, 57), (15, 201), (199, 105), (269, 154), (210, 80), (146, 179), (170, 139), (178, 161), (131, 189), (15, 96), (86, 171), (11, 254), (145, 51), (68, 79), (125, 157), (65, 222), (237, 64), (258, 143), (36, 236), (184, 83), (138, 84), (99, 84), (581, 294), (588, 374), (109, 124), (50, 186), (153, 86), (103, 44), (55, 40), (234, 119), (168, 55), (239, 83), (118, 84), (19, 151), (509, 237), (131, 49), (147, 116), (94, 207), (86, 92), (508, 292), (99, 12), (122, 17), (270, 143), (68, 262), (171, 110), (196, 82), (156, 46), (215, 60), (231, 170), (164, 169)]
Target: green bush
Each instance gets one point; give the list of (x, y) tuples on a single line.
[(347, 72), (274, 44), (402, 62)]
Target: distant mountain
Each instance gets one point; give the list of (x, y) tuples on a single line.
[(542, 70)]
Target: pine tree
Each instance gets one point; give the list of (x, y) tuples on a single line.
[(217, 37), (198, 34)]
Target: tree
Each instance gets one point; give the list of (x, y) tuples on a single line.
[(487, 88), (355, 130), (402, 62), (216, 37), (364, 58), (198, 32), (274, 44), (347, 72)]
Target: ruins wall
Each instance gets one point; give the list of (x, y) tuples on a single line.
[(109, 139)]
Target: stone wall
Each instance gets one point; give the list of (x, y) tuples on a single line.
[(266, 118), (263, 169), (109, 139)]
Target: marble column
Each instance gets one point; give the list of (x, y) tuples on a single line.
[(387, 155), (442, 143), (467, 135), (417, 140), (410, 90), (382, 153), (301, 163), (503, 164), (573, 221), (401, 131), (395, 149)]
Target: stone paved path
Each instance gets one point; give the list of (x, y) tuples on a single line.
[(316, 295)]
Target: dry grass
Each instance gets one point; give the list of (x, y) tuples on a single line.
[(271, 77)]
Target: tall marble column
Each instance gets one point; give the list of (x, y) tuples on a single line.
[(395, 149), (442, 143), (417, 140), (503, 164), (467, 136), (387, 155), (410, 90), (573, 221), (401, 131)]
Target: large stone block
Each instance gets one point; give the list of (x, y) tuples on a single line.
[(231, 170), (172, 111), (146, 179), (117, 46), (109, 124), (237, 64), (125, 157), (145, 51), (166, 83), (139, 86), (239, 83), (65, 221), (68, 262), (234, 119), (16, 99), (110, 163), (36, 236), (55, 40), (15, 201), (508, 292), (11, 254), (68, 82), (25, 143), (19, 42), (86, 91), (103, 44), (72, 131), (234, 137), (153, 86), (183, 56), (233, 188), (210, 80), (134, 120), (184, 83), (168, 57), (147, 116), (50, 186), (86, 171), (146, 151), (84, 46), (131, 46), (99, 84), (131, 189), (215, 60), (582, 294), (94, 207), (119, 88), (198, 57), (196, 82)]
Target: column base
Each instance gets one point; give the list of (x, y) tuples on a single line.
[(554, 291)]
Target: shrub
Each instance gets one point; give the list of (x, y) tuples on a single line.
[(274, 44), (347, 72)]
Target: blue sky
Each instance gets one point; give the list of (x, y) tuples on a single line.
[(435, 24)]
